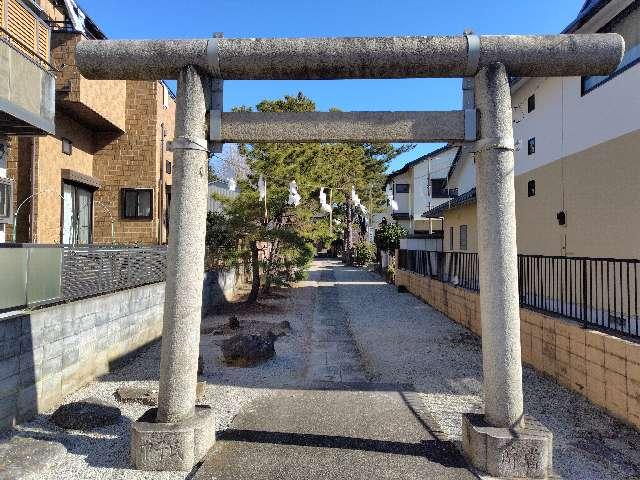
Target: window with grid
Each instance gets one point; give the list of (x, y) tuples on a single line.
[(137, 203)]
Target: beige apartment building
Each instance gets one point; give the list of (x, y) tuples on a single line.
[(578, 163), (104, 175)]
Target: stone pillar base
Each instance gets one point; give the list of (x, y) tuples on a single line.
[(172, 446), (507, 453)]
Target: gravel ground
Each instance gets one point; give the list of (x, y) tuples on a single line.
[(103, 454), (403, 340), (399, 340)]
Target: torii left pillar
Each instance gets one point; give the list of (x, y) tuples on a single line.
[(179, 434)]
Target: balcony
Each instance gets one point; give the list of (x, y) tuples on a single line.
[(27, 81), (97, 104), (445, 193)]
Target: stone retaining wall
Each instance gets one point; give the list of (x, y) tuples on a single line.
[(49, 353), (603, 368)]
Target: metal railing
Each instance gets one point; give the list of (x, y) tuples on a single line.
[(602, 292), (599, 292), (37, 275), (458, 268), (98, 269)]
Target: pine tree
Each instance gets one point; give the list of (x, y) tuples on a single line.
[(286, 234)]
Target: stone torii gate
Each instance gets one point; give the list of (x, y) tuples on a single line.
[(503, 441)]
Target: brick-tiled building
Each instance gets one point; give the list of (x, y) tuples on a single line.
[(105, 175)]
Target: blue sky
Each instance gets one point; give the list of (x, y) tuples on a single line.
[(316, 18)]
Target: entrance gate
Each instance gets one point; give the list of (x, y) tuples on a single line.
[(503, 441)]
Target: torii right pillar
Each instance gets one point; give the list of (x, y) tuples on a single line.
[(504, 442)]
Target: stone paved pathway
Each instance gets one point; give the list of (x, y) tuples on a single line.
[(333, 431), (333, 424), (334, 355)]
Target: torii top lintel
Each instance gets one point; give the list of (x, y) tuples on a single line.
[(350, 57)]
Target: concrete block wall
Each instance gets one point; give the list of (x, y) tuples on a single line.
[(602, 367), (49, 353)]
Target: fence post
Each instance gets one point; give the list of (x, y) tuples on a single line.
[(584, 293)]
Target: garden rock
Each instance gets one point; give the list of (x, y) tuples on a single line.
[(233, 323), (86, 414), (281, 329), (248, 350)]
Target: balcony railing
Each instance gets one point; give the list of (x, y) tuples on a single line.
[(36, 275), (445, 193), (25, 51)]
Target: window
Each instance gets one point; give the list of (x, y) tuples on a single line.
[(450, 238), (168, 168), (531, 104), (531, 146), (531, 188), (402, 188), (439, 188), (137, 203), (626, 24), (6, 200), (77, 214), (463, 237), (4, 153), (67, 146)]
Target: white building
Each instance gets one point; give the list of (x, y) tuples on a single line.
[(578, 163), (420, 186)]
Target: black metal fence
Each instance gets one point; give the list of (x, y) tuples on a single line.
[(601, 292), (99, 269), (458, 268)]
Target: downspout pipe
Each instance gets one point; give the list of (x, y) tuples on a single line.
[(350, 57)]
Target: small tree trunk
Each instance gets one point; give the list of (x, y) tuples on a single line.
[(255, 272), (268, 272)]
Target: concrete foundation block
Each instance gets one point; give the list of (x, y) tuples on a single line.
[(172, 446), (507, 453)]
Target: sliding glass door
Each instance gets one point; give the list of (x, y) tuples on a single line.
[(77, 214)]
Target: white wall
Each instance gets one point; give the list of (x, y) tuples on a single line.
[(4, 154), (464, 176), (431, 244), (440, 165), (564, 122), (403, 199)]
